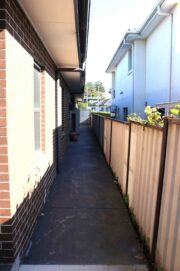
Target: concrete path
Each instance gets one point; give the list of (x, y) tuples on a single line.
[(84, 221)]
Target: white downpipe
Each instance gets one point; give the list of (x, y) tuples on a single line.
[(132, 47), (133, 77), (171, 63)]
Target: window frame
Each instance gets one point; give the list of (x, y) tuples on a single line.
[(37, 107), (113, 94), (130, 60)]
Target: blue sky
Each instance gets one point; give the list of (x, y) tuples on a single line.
[(109, 20)]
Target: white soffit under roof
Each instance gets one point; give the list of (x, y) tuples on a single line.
[(73, 80), (55, 23)]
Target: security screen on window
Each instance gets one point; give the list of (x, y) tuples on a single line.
[(37, 107)]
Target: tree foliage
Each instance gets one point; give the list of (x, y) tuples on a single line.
[(92, 89), (82, 105)]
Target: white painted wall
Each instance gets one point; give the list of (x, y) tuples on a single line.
[(175, 86), (139, 76), (158, 63), (25, 165), (20, 118), (150, 81), (123, 83)]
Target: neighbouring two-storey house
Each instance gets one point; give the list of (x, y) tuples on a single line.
[(43, 46), (145, 68)]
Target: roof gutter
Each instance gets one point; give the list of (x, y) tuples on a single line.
[(123, 44), (76, 12), (161, 13), (156, 11), (82, 14)]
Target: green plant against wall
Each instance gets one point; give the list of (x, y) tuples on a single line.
[(82, 105), (154, 117), (135, 117), (175, 111)]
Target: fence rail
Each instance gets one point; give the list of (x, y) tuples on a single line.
[(146, 161)]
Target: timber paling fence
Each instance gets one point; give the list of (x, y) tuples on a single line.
[(146, 161)]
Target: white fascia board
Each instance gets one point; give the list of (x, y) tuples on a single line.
[(124, 46)]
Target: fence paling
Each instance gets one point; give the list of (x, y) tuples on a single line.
[(168, 244), (153, 181), (128, 159), (110, 143), (119, 152), (99, 127), (160, 187), (101, 132), (107, 132), (145, 155)]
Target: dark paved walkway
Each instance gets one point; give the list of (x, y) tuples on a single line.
[(84, 220)]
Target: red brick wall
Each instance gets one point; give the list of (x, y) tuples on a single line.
[(16, 231), (5, 215)]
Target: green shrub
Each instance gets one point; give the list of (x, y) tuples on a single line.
[(103, 113), (175, 111), (82, 105), (153, 117), (135, 117)]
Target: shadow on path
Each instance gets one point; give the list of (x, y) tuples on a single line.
[(84, 220)]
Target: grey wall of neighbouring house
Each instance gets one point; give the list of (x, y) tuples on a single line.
[(25, 177), (85, 117), (139, 77)]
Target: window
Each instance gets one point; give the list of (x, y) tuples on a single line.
[(118, 112), (37, 106), (125, 111), (130, 60)]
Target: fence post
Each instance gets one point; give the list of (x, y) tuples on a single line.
[(103, 133), (99, 120), (110, 144), (128, 158), (160, 188)]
